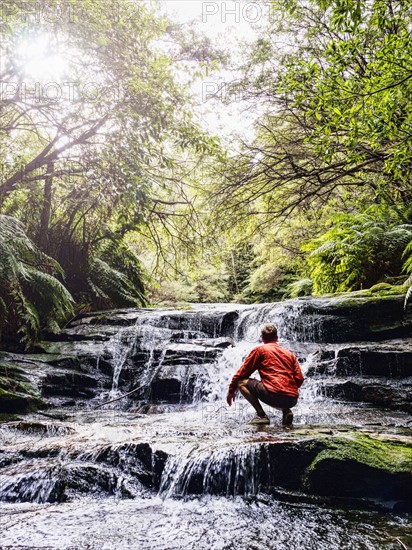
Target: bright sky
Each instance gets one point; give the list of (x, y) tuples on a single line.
[(227, 23)]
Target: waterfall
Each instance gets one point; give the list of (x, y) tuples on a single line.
[(294, 319), (119, 347), (171, 465), (169, 354), (30, 484), (230, 472), (188, 357), (167, 351)]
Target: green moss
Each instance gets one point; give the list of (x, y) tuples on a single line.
[(380, 290), (7, 417), (8, 369), (7, 395), (11, 402), (381, 287), (179, 306), (390, 456), (12, 385)]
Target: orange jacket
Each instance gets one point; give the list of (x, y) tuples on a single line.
[(278, 368)]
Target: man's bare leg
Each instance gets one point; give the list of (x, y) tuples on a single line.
[(254, 401)]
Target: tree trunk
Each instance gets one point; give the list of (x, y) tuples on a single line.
[(44, 241)]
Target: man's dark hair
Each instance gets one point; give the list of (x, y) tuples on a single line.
[(269, 333)]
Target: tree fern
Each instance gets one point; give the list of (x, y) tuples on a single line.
[(116, 276), (119, 254), (28, 317), (53, 299), (358, 251), (31, 298)]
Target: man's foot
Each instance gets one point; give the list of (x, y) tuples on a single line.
[(287, 417), (259, 421)]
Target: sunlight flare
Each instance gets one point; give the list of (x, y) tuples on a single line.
[(39, 58)]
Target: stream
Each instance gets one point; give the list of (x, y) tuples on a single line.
[(172, 466)]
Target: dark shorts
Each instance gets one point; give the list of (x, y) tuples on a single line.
[(277, 400)]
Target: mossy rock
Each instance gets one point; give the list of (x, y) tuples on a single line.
[(10, 370), (16, 386), (381, 289), (11, 402), (384, 288), (17, 395), (8, 417), (351, 317), (362, 466)]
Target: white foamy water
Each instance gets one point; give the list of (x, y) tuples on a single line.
[(208, 523)]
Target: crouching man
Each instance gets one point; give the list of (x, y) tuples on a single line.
[(280, 379)]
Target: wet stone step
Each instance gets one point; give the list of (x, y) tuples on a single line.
[(210, 323), (85, 332), (46, 429), (68, 384), (49, 482), (184, 335), (222, 342), (113, 317), (367, 467), (391, 361), (376, 392), (27, 482), (70, 378), (49, 390), (80, 349), (179, 384), (350, 317), (93, 479)]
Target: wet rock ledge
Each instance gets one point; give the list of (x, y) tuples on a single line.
[(361, 470)]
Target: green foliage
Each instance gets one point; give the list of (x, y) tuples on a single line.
[(211, 284), (302, 287), (90, 176), (31, 298), (116, 276), (334, 138), (206, 284), (238, 263), (174, 293), (268, 282), (109, 158), (352, 84), (358, 251)]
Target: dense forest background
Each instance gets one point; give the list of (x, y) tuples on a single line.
[(113, 195)]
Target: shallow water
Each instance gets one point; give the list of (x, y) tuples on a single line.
[(208, 522)]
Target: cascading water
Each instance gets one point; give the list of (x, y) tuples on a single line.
[(188, 472), (120, 346), (232, 472)]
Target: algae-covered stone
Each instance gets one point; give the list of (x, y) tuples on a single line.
[(17, 394), (19, 403), (362, 466)]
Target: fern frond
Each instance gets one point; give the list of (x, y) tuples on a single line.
[(408, 283), (52, 297), (27, 283)]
